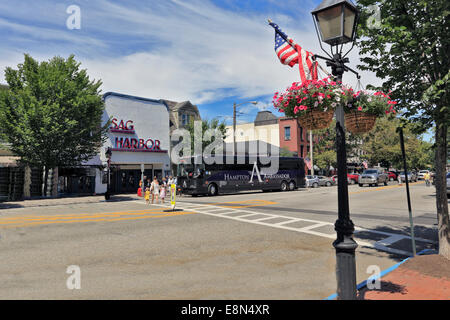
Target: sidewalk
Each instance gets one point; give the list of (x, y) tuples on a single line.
[(65, 201), (425, 277)]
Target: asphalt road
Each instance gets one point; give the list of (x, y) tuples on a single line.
[(245, 246)]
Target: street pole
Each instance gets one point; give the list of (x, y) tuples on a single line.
[(234, 129), (311, 151), (344, 245), (402, 144)]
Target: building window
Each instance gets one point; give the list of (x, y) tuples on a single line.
[(302, 148), (307, 149), (301, 134), (287, 133), (184, 119)]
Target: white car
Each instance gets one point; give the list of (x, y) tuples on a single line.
[(312, 181), (422, 173)]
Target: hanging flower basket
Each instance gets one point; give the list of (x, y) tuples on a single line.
[(316, 119), (363, 109), (359, 122), (312, 102)]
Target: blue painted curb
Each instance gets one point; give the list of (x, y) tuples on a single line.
[(379, 276)]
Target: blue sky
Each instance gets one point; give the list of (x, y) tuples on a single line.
[(211, 52)]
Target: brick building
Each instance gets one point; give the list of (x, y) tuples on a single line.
[(293, 137)]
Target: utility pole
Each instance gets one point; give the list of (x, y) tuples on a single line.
[(311, 151), (234, 129)]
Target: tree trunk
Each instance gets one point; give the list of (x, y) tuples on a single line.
[(441, 189)]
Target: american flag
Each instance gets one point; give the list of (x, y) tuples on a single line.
[(365, 164), (291, 53), (308, 163)]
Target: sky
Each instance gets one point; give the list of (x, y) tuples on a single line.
[(211, 52)]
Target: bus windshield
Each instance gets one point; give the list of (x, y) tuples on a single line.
[(188, 170)]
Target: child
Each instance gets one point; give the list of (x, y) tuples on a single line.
[(147, 195), (162, 194)]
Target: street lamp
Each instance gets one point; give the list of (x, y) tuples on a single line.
[(108, 155), (335, 22), (234, 122)]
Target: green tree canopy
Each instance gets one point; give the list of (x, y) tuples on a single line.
[(52, 113), (410, 50), (206, 125)]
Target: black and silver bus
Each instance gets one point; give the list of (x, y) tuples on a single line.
[(239, 173)]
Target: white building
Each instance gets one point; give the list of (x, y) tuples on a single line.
[(138, 138)]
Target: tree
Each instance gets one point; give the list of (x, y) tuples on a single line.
[(382, 145), (410, 51), (285, 152), (206, 125), (325, 149), (52, 113)]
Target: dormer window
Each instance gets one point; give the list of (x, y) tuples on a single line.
[(184, 119)]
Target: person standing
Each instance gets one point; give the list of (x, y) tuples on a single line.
[(147, 195), (427, 179), (154, 188), (162, 194)]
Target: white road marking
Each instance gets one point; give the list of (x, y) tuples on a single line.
[(215, 211)]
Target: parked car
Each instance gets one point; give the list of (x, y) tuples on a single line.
[(354, 177), (312, 181), (335, 179), (325, 181), (392, 175), (411, 177), (421, 174), (373, 177)]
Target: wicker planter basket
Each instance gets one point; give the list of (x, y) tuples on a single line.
[(359, 122), (316, 119)]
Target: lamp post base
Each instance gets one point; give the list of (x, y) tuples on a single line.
[(346, 268)]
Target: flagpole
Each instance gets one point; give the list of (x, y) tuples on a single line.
[(282, 35)]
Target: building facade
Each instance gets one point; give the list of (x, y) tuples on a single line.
[(264, 129), (139, 140), (294, 138)]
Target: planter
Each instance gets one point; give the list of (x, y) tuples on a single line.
[(359, 122), (316, 119)]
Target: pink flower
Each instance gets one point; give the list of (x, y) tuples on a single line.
[(360, 108)]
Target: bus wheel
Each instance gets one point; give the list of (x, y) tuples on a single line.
[(212, 190), (291, 186), (284, 186)]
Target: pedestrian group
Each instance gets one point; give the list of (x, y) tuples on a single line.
[(157, 189)]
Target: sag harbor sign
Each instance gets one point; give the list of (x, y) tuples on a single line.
[(132, 144)]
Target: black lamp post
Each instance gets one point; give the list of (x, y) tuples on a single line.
[(335, 22), (108, 154)]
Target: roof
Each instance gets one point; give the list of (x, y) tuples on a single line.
[(175, 106), (126, 96), (265, 117)]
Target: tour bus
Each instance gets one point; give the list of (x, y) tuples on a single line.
[(239, 173)]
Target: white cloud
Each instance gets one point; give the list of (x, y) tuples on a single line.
[(203, 53)]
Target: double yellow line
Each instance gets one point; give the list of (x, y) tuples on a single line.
[(35, 220)]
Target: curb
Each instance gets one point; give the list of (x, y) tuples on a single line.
[(381, 275)]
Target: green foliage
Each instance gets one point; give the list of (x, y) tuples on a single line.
[(382, 145), (325, 149), (410, 51), (52, 113), (285, 152), (219, 128)]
